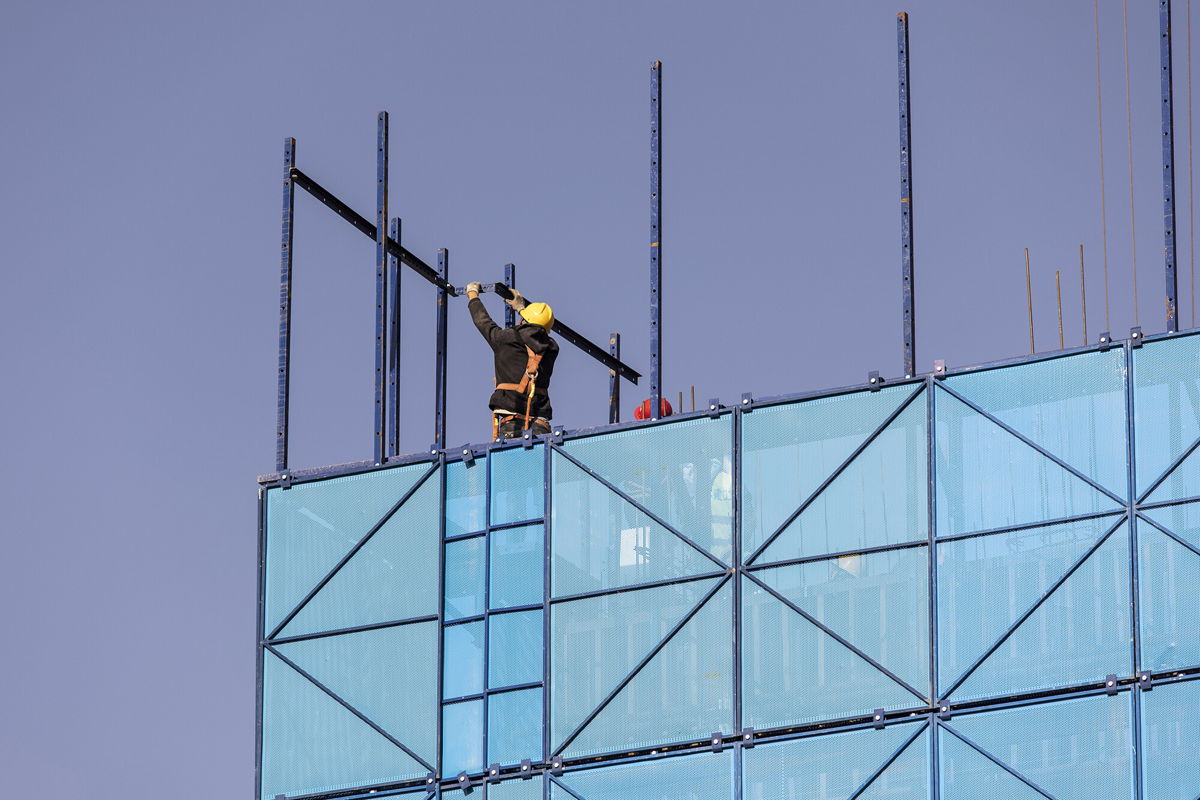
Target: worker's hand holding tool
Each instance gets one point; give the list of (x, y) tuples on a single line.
[(473, 290), (516, 301)]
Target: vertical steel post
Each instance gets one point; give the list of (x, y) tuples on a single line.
[(1168, 158), (614, 381), (906, 205), (381, 292), (655, 239), (285, 308), (393, 401), (510, 280), (439, 379)]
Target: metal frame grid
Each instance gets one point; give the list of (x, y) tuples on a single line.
[(741, 572)]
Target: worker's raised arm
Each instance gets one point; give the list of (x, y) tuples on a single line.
[(479, 315)]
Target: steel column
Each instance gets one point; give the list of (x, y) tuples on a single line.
[(439, 376), (393, 400), (285, 308), (906, 210), (655, 239), (1168, 159), (381, 284), (614, 381), (510, 280)]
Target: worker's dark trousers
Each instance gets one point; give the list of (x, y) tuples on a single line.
[(515, 428)]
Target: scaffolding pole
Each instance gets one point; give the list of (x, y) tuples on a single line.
[(1168, 159), (906, 205), (655, 239)]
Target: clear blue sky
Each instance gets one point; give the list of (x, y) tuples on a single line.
[(141, 147)]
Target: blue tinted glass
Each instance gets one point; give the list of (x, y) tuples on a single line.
[(385, 674), (462, 737), (1169, 574), (987, 478), (465, 566), (1166, 403), (312, 744), (1170, 741), (680, 471), (518, 485), (697, 777), (1073, 407), (312, 525), (518, 555), (515, 649), (515, 726), (466, 491), (463, 660)]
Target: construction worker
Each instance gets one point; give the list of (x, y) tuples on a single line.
[(524, 358)]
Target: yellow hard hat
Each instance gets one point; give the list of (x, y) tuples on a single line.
[(538, 314)]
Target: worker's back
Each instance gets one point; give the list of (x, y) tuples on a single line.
[(511, 358)]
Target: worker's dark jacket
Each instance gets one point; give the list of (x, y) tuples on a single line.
[(508, 346)]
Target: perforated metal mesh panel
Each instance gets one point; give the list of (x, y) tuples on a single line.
[(680, 471), (515, 569), (835, 766), (601, 541), (1166, 403), (462, 737), (465, 578), (1073, 407), (518, 485), (1170, 577), (699, 777), (515, 645), (466, 496), (516, 790), (312, 525), (463, 659), (515, 726), (1170, 742)]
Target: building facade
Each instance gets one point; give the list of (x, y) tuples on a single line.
[(978, 584)]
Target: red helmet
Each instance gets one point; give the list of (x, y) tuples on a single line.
[(643, 411)]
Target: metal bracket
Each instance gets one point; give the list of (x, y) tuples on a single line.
[(285, 481), (939, 369), (747, 402), (468, 455), (714, 407), (944, 713), (717, 741), (877, 719), (1105, 340), (874, 379), (527, 439), (556, 766), (464, 782), (1110, 685), (434, 450), (430, 778), (1145, 680), (526, 769), (747, 737), (1135, 337), (493, 775), (556, 436)]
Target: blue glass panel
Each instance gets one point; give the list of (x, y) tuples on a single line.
[(881, 498), (1081, 633), (879, 602), (393, 576), (312, 744), (1169, 575), (835, 766), (515, 726), (466, 494), (1073, 407), (602, 542), (967, 774), (986, 583), (695, 777), (789, 450), (465, 567), (596, 642), (1170, 742), (516, 790), (1073, 749), (388, 675), (793, 672), (518, 485), (312, 525), (463, 660), (462, 737), (684, 692), (515, 649), (518, 555), (1166, 404), (680, 471), (987, 478)]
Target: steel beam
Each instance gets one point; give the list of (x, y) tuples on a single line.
[(1168, 160), (614, 381), (393, 401), (285, 308), (561, 329), (381, 285), (510, 280), (439, 375), (655, 239), (906, 205)]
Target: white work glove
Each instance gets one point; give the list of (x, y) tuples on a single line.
[(473, 289), (517, 302)]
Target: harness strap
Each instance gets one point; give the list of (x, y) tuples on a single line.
[(529, 379)]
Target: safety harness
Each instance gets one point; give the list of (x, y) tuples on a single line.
[(527, 386)]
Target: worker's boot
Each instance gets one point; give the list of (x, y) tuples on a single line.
[(515, 428)]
